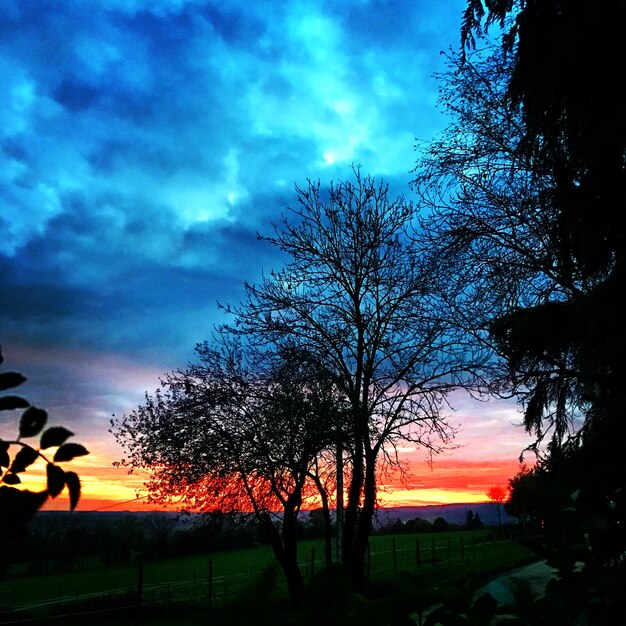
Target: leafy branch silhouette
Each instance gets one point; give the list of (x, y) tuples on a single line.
[(17, 506)]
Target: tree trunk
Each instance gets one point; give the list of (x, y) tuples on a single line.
[(291, 567), (351, 514), (285, 548), (361, 502), (328, 527), (339, 501), (364, 522)]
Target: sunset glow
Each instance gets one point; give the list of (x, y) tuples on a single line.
[(107, 487), (476, 461)]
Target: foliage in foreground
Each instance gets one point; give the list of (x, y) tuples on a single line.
[(17, 506)]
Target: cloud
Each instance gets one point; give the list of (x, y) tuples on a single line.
[(143, 146)]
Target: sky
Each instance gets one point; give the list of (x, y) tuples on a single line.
[(143, 145)]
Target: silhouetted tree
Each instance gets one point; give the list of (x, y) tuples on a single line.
[(491, 224), (418, 525), (393, 527), (159, 527), (530, 196), (477, 523), (564, 56), (238, 430), (522, 205), (315, 524), (524, 495), (323, 474), (358, 296)]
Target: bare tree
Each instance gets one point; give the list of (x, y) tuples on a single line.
[(358, 296), (492, 221)]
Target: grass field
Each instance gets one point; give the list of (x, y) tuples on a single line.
[(188, 579)]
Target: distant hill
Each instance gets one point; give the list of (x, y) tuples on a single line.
[(110, 517), (452, 513)]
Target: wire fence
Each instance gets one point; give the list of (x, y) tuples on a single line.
[(212, 588)]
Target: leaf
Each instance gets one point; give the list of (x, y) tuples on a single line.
[(55, 436), (11, 479), (25, 457), (32, 421), (5, 459), (73, 485), (17, 506), (56, 479), (69, 451), (9, 403), (8, 380)]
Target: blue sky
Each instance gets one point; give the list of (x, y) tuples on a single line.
[(143, 146)]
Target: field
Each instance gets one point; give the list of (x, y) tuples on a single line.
[(218, 579)]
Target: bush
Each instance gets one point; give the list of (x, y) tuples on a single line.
[(418, 525), (440, 525)]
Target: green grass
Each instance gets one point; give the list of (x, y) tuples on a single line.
[(185, 579), (440, 552)]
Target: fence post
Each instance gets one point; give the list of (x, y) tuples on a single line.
[(418, 555), (139, 591), (210, 584)]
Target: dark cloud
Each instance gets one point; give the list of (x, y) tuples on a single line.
[(236, 25), (76, 95), (144, 145)]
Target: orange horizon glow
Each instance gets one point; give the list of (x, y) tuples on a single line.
[(484, 453), (107, 488)]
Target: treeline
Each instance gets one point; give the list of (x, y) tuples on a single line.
[(438, 525), (59, 542)]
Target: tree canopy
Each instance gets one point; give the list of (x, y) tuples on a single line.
[(526, 191), (237, 431), (563, 57), (367, 306), (357, 307)]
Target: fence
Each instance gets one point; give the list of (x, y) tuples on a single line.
[(212, 588)]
